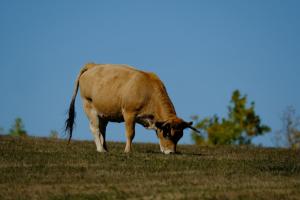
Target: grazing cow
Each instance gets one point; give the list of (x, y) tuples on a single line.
[(120, 93)]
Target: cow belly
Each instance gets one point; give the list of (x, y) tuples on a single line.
[(108, 111)]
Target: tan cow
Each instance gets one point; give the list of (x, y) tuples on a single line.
[(120, 93)]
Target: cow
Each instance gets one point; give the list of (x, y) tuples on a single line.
[(121, 93)]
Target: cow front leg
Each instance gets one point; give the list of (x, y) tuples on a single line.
[(129, 119)]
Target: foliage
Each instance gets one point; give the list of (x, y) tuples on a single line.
[(17, 128), (289, 135), (54, 134), (2, 132), (241, 125)]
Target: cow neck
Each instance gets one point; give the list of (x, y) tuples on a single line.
[(161, 102), (164, 109)]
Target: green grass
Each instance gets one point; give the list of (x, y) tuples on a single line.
[(36, 168)]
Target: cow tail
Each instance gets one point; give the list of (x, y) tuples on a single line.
[(69, 124)]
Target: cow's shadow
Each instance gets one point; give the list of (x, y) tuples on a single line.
[(179, 153)]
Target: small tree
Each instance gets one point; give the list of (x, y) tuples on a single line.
[(54, 134), (289, 135), (17, 128), (241, 125), (2, 132)]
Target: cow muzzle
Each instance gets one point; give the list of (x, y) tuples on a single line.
[(167, 150)]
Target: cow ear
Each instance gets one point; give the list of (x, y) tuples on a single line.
[(187, 124)]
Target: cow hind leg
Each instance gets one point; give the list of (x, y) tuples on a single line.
[(99, 136), (97, 126), (102, 129)]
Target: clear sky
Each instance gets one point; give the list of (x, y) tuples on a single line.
[(202, 50)]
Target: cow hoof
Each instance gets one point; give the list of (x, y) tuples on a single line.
[(127, 151), (102, 151)]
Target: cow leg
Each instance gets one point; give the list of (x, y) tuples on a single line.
[(129, 119), (95, 125), (98, 137), (102, 129)]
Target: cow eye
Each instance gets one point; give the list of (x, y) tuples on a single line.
[(166, 134)]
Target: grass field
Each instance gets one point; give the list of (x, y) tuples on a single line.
[(36, 168)]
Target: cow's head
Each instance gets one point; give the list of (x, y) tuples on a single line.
[(169, 133)]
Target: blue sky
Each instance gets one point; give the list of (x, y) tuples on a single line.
[(202, 50)]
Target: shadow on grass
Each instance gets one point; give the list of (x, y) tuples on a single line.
[(178, 153)]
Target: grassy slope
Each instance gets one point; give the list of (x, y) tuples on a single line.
[(36, 168)]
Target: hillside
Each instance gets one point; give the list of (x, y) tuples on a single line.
[(36, 168)]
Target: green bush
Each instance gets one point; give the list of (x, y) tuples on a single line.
[(17, 128), (53, 134), (241, 125)]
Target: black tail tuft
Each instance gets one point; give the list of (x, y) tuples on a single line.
[(72, 114), (70, 121)]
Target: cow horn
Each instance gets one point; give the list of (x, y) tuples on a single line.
[(189, 125), (194, 129)]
